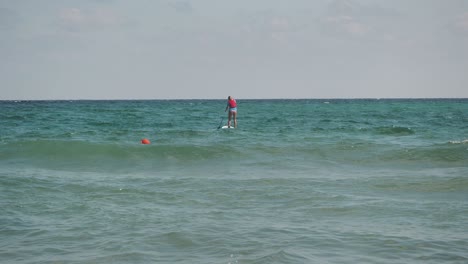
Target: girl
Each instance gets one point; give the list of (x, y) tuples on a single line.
[(232, 105)]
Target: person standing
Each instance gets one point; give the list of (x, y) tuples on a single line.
[(232, 114)]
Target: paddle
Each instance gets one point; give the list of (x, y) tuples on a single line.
[(220, 123)]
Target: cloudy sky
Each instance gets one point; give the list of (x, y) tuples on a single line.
[(165, 49)]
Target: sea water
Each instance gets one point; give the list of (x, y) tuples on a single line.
[(298, 181)]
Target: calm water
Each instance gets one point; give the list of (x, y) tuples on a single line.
[(299, 181)]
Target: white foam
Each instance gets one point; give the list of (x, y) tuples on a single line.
[(459, 142)]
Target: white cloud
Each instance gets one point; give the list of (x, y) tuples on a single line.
[(279, 28), (181, 6), (9, 19), (75, 19), (72, 16), (361, 9), (359, 18), (342, 7), (462, 22), (346, 25)]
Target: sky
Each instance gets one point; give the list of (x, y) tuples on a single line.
[(251, 49)]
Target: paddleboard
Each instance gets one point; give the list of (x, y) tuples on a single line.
[(224, 127)]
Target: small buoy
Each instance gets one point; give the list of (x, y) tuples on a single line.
[(145, 141)]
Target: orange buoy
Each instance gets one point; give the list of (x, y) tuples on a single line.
[(145, 141)]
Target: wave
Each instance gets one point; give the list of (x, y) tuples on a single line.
[(459, 141), (84, 154), (452, 153), (429, 184), (61, 149), (281, 256), (395, 131), (285, 154)]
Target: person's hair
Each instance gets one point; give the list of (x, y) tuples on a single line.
[(229, 97)]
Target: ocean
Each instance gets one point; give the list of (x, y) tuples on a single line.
[(299, 181)]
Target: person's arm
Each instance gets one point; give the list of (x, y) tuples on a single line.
[(227, 106)]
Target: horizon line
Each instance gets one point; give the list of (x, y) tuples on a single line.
[(240, 98)]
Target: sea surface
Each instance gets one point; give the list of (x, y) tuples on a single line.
[(299, 181)]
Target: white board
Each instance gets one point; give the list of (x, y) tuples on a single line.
[(224, 127)]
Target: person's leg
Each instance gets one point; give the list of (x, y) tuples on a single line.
[(235, 118), (229, 118)]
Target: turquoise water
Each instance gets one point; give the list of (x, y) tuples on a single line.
[(299, 181)]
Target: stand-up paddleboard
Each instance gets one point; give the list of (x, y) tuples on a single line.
[(221, 125)]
